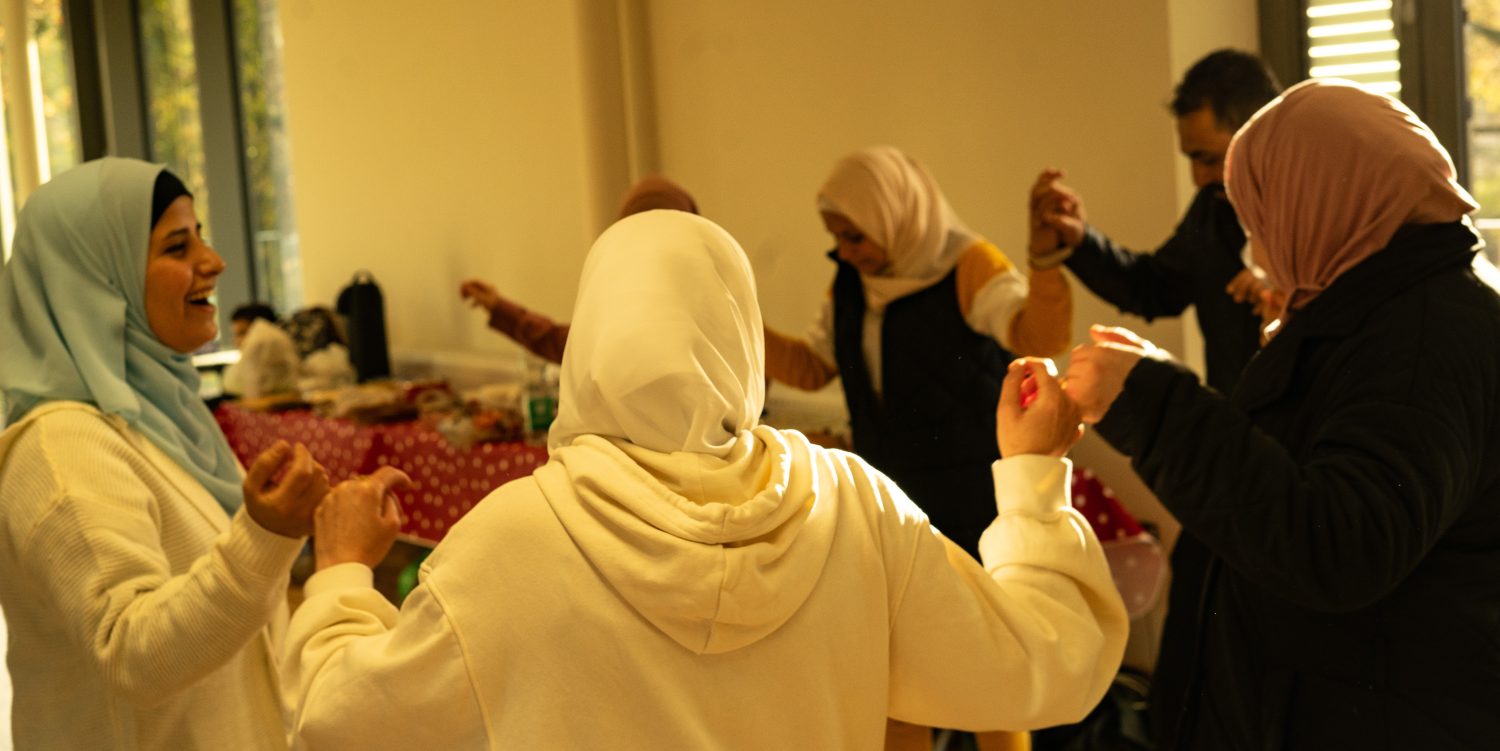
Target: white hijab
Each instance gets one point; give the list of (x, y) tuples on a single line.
[(894, 200), (666, 349)]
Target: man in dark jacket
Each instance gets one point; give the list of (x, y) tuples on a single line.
[(1196, 265)]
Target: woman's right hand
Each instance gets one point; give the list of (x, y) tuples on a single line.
[(479, 293), (359, 520), (283, 488), (1044, 422)]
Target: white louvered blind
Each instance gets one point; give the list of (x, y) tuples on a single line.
[(1354, 40)]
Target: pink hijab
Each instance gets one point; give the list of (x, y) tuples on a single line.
[(1324, 175), (656, 192)]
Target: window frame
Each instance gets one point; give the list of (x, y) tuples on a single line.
[(1433, 81), (114, 118)]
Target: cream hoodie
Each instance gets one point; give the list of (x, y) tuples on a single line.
[(677, 577), (790, 598)]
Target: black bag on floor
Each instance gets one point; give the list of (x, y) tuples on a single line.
[(1118, 723), (363, 309)]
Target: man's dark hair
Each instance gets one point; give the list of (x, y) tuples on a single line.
[(1232, 83), (253, 311)]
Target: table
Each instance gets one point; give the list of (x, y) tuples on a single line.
[(447, 481)]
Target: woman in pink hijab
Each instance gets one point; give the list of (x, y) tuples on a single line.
[(1343, 505), (539, 334)]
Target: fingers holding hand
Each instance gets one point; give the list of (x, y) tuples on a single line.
[(1046, 184), (1068, 223)]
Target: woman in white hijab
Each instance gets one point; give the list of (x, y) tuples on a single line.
[(143, 582), (919, 324), (679, 576)]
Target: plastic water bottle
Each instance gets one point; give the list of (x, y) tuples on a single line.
[(539, 399)]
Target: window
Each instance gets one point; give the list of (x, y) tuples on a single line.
[(268, 178), (40, 134), (173, 116), (195, 84), (1356, 41), (1482, 52), (212, 75), (1440, 57)]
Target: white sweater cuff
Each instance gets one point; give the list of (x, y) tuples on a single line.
[(1032, 484), (259, 551), (340, 577)]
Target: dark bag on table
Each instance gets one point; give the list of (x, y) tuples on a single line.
[(363, 309)]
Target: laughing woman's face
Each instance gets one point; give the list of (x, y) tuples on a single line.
[(181, 273)]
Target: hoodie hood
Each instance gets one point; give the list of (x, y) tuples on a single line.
[(718, 553), (706, 524)]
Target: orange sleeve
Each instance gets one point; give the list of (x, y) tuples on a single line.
[(979, 264), (1043, 327), (537, 333), (793, 362)]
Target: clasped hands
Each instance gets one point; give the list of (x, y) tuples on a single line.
[(1054, 420), (356, 521), (1056, 220)]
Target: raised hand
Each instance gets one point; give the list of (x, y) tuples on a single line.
[(1057, 219), (1097, 371), (1034, 416), (479, 294), (283, 488), (358, 521)]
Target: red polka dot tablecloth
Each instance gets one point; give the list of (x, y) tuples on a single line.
[(1135, 557), (447, 481)]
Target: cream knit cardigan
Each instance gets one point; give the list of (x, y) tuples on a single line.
[(138, 611)]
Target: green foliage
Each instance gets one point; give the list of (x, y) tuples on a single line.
[(171, 82), (59, 102), (1482, 49)]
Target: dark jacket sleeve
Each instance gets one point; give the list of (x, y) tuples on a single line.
[(1150, 285), (1379, 478)]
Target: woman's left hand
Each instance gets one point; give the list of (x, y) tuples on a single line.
[(283, 488), (1096, 372)]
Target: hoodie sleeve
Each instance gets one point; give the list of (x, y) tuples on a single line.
[(83, 531), (361, 675), (1029, 640)]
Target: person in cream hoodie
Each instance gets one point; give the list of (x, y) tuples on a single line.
[(679, 576)]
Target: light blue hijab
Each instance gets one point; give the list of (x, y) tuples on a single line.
[(73, 320)]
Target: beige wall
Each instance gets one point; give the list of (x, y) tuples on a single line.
[(441, 140), (490, 139), (756, 102)]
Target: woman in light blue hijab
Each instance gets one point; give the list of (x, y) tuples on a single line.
[(142, 575)]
